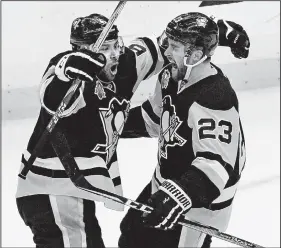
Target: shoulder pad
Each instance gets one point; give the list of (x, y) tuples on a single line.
[(218, 94)]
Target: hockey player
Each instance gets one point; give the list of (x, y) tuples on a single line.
[(58, 213), (194, 113)]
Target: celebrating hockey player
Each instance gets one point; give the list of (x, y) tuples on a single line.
[(194, 113), (58, 213)]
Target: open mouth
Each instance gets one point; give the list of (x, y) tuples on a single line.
[(113, 69), (174, 65)]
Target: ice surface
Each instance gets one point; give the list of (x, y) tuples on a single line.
[(256, 213)]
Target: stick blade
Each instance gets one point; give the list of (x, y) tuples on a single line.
[(212, 3)]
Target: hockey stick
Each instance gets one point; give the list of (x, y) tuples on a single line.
[(62, 149), (80, 182), (212, 3), (68, 96)]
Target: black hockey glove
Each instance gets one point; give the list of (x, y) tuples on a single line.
[(169, 202), (82, 64), (234, 36)]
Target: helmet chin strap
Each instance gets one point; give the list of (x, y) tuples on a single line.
[(189, 67)]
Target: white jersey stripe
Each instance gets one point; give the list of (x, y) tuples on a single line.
[(213, 170), (226, 194)]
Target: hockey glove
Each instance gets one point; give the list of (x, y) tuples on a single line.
[(82, 64), (168, 203), (234, 36)]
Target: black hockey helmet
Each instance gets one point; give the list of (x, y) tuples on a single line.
[(86, 30), (194, 28)]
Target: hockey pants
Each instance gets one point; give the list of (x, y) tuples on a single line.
[(61, 221)]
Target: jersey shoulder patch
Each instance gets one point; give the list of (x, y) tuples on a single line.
[(164, 76)]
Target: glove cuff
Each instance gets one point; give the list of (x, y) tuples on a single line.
[(176, 193)]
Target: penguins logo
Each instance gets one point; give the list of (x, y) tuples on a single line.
[(113, 120), (202, 22), (170, 123)]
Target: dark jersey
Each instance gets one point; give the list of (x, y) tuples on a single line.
[(200, 137), (92, 124)]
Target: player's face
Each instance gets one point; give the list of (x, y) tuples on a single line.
[(176, 53), (112, 50)]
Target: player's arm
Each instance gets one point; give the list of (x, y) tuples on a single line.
[(215, 140), (148, 56), (144, 120), (60, 73)]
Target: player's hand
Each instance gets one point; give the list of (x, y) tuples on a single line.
[(168, 203), (82, 64), (234, 36)]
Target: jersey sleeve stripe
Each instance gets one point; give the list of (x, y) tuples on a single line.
[(77, 104), (146, 106), (150, 45), (220, 205), (226, 194), (213, 170), (116, 181), (49, 72), (217, 157), (223, 200)]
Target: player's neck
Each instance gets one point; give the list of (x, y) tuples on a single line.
[(199, 72), (104, 82)]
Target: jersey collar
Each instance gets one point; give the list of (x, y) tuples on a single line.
[(199, 72)]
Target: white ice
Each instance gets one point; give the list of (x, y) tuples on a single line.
[(256, 213)]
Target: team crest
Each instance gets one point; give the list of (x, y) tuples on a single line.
[(99, 90), (113, 120), (165, 79), (201, 22), (170, 123)]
